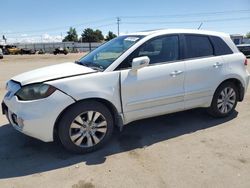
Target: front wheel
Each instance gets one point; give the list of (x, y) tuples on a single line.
[(85, 127), (224, 101)]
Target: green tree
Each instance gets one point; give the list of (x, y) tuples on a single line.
[(110, 36), (89, 35), (71, 35), (99, 35), (248, 35)]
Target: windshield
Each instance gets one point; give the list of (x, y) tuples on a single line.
[(105, 55)]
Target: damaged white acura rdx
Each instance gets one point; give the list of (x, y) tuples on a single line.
[(131, 77)]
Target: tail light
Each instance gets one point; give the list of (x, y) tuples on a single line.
[(245, 63)]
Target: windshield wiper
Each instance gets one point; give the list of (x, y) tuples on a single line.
[(96, 68), (91, 65), (78, 62)]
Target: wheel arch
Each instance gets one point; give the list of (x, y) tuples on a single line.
[(118, 120), (238, 84)]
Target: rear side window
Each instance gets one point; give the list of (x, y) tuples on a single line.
[(198, 46), (220, 47)]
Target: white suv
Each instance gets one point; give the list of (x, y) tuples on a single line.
[(131, 77)]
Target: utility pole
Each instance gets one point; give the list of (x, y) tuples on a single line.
[(118, 25), (5, 39)]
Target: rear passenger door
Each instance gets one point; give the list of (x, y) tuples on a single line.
[(203, 70)]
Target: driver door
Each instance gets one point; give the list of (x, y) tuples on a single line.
[(158, 88)]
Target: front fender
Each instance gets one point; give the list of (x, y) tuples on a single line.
[(103, 85)]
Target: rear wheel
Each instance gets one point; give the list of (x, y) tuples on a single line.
[(85, 127), (224, 100)]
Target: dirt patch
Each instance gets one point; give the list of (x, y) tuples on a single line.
[(83, 184), (244, 161)]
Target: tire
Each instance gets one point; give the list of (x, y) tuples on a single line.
[(79, 135), (223, 106)]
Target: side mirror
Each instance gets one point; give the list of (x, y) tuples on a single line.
[(140, 62)]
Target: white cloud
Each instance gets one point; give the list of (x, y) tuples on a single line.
[(24, 35), (25, 38), (2, 42), (48, 38), (6, 32)]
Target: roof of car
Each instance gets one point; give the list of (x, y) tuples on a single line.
[(171, 31)]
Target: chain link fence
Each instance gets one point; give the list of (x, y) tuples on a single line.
[(50, 47)]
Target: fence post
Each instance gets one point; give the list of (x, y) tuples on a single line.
[(90, 46)]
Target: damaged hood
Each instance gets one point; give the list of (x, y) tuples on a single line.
[(52, 72)]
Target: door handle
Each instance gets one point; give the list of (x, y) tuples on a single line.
[(176, 73), (217, 64)]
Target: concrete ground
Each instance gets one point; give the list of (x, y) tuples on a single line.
[(186, 149)]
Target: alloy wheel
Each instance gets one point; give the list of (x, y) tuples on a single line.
[(226, 100), (88, 129)]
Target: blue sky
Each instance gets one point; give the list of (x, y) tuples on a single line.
[(23, 20)]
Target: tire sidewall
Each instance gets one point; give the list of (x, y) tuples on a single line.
[(214, 109), (71, 113)]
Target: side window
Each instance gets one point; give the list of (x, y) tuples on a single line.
[(220, 47), (159, 50), (198, 46)]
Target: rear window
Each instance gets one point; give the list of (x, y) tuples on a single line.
[(220, 47), (198, 46)]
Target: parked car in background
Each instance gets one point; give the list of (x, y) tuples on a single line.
[(12, 50), (27, 51), (4, 50), (131, 77), (41, 51), (61, 51), (1, 53), (244, 48)]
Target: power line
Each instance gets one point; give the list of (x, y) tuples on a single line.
[(128, 17), (118, 21), (189, 21), (189, 14), (105, 25), (60, 27), (37, 35)]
